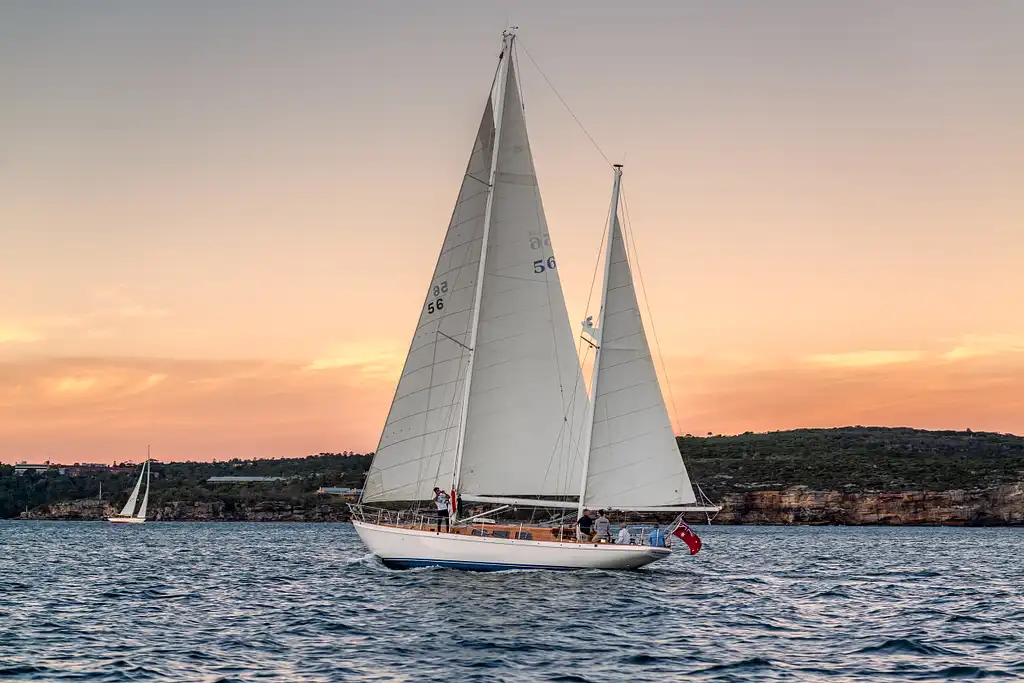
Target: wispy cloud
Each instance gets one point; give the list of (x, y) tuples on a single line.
[(863, 359), (137, 311), (98, 409), (975, 346), (17, 334), (73, 385), (373, 360)]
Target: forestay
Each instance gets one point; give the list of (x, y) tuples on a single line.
[(634, 460), (417, 445)]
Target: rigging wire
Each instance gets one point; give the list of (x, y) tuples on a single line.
[(565, 104), (647, 302)]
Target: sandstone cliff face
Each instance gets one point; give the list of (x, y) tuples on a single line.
[(88, 509), (995, 506), (214, 511), (1002, 505), (264, 511)]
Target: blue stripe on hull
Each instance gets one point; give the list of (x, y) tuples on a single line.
[(409, 563)]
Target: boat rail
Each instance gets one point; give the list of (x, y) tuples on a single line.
[(419, 520)]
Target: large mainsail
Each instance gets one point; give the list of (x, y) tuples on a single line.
[(634, 460), (526, 402), (418, 443)]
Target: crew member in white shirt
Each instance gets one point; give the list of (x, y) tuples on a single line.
[(441, 501)]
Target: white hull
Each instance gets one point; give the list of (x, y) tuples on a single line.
[(126, 520), (402, 548)]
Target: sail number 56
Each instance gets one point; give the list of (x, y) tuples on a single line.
[(540, 265), (437, 304)]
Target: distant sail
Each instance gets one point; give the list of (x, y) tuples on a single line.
[(145, 498), (129, 508)]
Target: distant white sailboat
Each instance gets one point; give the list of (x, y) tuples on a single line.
[(491, 405), (128, 514)]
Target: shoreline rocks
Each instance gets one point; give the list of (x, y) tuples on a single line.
[(799, 505)]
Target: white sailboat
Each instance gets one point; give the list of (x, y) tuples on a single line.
[(128, 514), (491, 404)]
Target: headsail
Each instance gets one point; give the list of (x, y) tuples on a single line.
[(145, 497), (634, 460), (527, 402), (129, 507), (417, 446)]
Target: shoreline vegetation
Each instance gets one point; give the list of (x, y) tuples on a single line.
[(843, 476)]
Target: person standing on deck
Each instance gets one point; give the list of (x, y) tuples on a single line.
[(603, 528), (441, 501), (584, 527)]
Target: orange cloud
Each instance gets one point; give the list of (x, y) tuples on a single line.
[(101, 409), (858, 359), (928, 390), (15, 334)]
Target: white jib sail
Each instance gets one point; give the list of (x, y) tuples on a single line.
[(634, 459), (129, 507), (417, 445), (527, 401), (145, 497)]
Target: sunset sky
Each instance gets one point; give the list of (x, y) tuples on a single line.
[(217, 220)]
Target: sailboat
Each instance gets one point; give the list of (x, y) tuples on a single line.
[(491, 407), (128, 514)]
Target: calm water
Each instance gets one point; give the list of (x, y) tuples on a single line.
[(276, 602)]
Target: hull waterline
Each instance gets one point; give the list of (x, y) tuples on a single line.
[(402, 548)]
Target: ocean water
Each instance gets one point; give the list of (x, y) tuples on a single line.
[(303, 602)]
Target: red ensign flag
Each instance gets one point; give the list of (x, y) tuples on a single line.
[(685, 533)]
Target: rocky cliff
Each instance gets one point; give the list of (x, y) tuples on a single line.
[(264, 511), (212, 511), (1000, 505), (85, 509)]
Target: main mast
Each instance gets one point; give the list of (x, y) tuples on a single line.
[(589, 425), (507, 39)]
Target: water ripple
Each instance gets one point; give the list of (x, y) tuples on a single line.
[(306, 603)]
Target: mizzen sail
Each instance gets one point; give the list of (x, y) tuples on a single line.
[(634, 460)]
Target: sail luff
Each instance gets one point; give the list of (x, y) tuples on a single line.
[(598, 337), (506, 52), (129, 507), (141, 514)]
